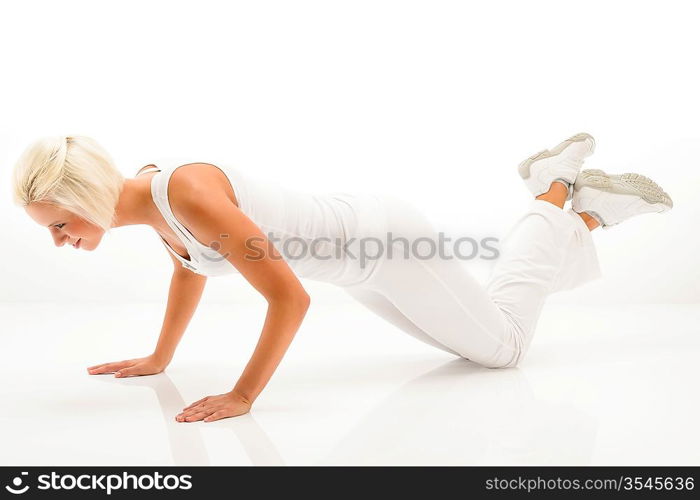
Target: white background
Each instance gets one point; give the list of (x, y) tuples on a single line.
[(437, 101)]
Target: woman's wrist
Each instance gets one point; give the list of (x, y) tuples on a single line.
[(161, 359), (241, 397)]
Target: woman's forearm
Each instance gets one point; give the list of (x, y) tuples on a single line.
[(183, 297), (284, 317)]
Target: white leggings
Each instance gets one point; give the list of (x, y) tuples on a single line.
[(439, 302)]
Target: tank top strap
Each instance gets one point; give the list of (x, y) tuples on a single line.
[(148, 168), (159, 192)]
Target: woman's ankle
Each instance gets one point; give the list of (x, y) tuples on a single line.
[(591, 223), (557, 194)]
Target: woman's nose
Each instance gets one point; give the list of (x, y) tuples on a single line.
[(60, 240)]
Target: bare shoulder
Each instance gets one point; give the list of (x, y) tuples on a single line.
[(199, 182)]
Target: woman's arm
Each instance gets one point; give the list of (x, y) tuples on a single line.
[(185, 291), (284, 316), (184, 295), (212, 217)]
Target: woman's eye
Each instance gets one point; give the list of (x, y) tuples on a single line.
[(59, 226)]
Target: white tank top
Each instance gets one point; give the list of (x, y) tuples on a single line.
[(295, 219)]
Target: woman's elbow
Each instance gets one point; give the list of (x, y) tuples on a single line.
[(299, 303), (303, 299), (299, 299)]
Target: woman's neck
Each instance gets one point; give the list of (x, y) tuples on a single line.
[(135, 204)]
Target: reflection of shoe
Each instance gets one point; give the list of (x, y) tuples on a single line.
[(610, 199), (561, 163)]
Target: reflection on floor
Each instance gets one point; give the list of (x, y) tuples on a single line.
[(600, 386)]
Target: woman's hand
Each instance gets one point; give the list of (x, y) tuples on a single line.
[(215, 407), (149, 365)]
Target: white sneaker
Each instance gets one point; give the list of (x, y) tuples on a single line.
[(610, 199), (562, 164)]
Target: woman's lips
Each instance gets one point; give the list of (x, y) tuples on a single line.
[(77, 243)]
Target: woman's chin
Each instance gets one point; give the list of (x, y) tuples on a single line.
[(90, 245)]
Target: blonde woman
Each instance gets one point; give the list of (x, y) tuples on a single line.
[(214, 220)]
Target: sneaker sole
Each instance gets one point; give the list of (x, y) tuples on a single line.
[(524, 167), (630, 184)]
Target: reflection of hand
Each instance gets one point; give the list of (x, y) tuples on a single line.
[(213, 408), (130, 367)]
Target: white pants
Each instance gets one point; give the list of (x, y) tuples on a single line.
[(440, 303)]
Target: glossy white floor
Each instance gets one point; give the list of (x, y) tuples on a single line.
[(600, 386)]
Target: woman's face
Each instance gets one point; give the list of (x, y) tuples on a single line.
[(65, 227)]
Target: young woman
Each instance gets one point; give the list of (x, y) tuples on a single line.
[(214, 220)]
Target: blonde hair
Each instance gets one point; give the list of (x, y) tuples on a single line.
[(72, 172)]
